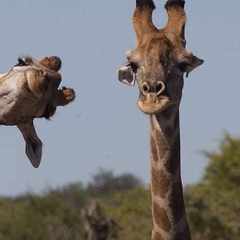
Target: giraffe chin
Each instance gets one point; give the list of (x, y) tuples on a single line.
[(151, 106)]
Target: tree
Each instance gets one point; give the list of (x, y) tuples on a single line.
[(223, 170), (132, 212), (124, 211), (105, 182), (213, 205)]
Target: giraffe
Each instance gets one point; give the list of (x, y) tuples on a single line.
[(30, 90), (97, 226), (158, 64)]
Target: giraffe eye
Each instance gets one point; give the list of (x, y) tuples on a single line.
[(183, 66)]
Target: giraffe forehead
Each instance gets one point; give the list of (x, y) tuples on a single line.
[(159, 48), (159, 44), (155, 48), (151, 46)]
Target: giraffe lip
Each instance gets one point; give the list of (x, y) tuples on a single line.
[(152, 104)]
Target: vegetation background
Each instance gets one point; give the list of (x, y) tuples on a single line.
[(213, 204)]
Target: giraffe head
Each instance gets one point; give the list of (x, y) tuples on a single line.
[(160, 58), (31, 90)]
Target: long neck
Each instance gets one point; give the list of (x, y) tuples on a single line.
[(168, 209)]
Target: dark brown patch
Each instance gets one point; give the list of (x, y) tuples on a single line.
[(177, 202), (49, 110), (160, 183), (176, 123), (184, 235), (169, 131), (145, 4), (166, 115), (173, 162), (175, 4), (161, 218)]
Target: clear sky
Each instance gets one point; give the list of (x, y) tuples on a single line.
[(103, 127)]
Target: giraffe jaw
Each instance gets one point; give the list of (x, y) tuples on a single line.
[(152, 104)]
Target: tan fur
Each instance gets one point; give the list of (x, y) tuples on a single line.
[(35, 81), (159, 56), (158, 64), (176, 23), (53, 63), (143, 25), (28, 91)]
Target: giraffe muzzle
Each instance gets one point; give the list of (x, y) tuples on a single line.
[(151, 99)]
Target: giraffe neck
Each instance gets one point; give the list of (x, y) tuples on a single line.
[(168, 210)]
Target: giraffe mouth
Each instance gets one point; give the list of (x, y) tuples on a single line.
[(152, 104)]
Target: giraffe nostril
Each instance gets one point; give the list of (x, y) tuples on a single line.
[(145, 88), (160, 87), (156, 87)]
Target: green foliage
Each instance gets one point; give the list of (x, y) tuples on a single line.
[(40, 217), (105, 183), (223, 170), (213, 205), (132, 211), (56, 214)]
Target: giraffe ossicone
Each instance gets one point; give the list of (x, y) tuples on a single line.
[(31, 90), (158, 64)]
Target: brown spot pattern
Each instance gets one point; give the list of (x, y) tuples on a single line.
[(161, 217), (160, 183), (173, 163)]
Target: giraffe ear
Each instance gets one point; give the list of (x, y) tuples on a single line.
[(33, 146), (195, 62), (126, 75)]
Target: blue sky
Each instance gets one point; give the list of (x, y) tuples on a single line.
[(103, 127)]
